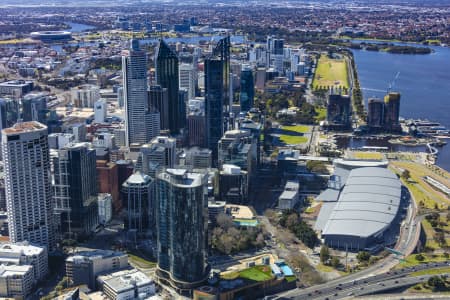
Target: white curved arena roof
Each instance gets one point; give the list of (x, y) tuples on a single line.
[(367, 204)]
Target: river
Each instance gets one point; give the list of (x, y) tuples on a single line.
[(424, 84)]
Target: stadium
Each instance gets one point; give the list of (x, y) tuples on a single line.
[(362, 209), (51, 36)]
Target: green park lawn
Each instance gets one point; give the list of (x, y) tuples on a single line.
[(330, 72), (293, 139), (257, 273)]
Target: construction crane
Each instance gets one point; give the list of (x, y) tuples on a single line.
[(391, 84)]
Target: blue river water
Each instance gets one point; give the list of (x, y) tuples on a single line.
[(78, 27), (423, 81)]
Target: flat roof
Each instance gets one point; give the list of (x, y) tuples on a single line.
[(24, 127), (125, 280), (367, 204)]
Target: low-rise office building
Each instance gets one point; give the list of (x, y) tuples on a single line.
[(84, 267), (16, 281), (127, 284), (21, 254)]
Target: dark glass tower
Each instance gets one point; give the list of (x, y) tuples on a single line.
[(217, 69), (167, 77), (181, 222), (247, 89), (75, 186)]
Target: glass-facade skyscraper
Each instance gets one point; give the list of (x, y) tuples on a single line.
[(217, 69), (167, 77), (181, 222), (247, 89)]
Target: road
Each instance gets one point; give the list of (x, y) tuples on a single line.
[(382, 281)]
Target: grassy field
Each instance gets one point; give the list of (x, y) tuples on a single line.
[(17, 41), (431, 271), (257, 273), (365, 155), (321, 114), (330, 72), (422, 191), (294, 138), (141, 262), (297, 128), (411, 260)]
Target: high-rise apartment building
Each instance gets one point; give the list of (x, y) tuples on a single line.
[(339, 111), (375, 114), (167, 77), (139, 118), (27, 182), (392, 111), (181, 222)]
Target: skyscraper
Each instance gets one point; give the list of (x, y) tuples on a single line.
[(27, 183), (392, 111), (217, 69), (181, 222), (339, 111), (167, 77), (159, 100), (75, 185), (375, 113), (247, 89), (34, 107), (138, 116), (188, 79), (139, 209)]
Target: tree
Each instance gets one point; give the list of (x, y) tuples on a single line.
[(224, 221), (420, 257), (363, 256), (406, 174), (324, 254), (335, 262), (436, 282)]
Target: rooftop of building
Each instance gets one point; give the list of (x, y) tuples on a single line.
[(125, 280), (239, 211), (138, 178), (182, 178), (20, 249), (24, 127), (367, 204), (17, 83), (94, 254), (14, 270)]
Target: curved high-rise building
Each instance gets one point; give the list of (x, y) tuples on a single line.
[(181, 222), (27, 184)]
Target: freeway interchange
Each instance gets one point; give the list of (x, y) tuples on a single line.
[(347, 286)]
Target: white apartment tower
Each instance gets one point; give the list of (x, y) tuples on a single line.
[(27, 183)]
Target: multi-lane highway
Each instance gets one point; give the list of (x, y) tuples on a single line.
[(387, 281)]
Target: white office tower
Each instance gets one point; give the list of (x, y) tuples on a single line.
[(100, 108), (137, 112), (277, 63), (27, 181), (295, 60), (85, 95), (188, 78), (159, 153)]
